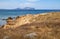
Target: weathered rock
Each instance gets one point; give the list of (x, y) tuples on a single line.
[(27, 19)]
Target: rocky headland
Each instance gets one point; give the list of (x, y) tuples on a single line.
[(36, 26)]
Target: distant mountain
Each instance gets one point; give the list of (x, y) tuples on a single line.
[(29, 8), (26, 8)]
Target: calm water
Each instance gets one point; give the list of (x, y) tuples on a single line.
[(12, 13)]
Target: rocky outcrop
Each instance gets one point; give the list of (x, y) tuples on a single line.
[(29, 18)]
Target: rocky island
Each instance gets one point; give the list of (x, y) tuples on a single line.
[(36, 26)]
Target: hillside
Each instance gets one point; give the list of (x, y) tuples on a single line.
[(37, 26)]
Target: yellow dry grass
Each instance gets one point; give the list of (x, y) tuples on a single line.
[(44, 27)]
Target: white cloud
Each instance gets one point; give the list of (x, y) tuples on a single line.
[(22, 5), (32, 0), (29, 3), (17, 4)]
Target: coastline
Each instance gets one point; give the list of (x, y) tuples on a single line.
[(25, 19), (37, 26)]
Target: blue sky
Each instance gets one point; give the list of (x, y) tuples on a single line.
[(38, 4)]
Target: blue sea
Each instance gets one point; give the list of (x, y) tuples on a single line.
[(13, 13)]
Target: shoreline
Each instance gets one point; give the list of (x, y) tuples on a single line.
[(38, 26), (27, 15), (5, 17), (13, 17)]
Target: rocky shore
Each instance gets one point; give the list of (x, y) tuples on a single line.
[(36, 26)]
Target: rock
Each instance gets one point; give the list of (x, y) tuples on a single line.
[(29, 18), (10, 21), (31, 36), (6, 37)]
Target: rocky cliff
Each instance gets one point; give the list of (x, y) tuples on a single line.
[(37, 26)]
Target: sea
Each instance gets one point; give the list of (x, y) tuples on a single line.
[(4, 14)]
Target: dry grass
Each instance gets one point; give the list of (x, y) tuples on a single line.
[(47, 27)]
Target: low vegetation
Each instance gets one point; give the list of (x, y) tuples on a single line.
[(39, 26)]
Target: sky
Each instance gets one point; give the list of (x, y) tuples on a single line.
[(37, 4)]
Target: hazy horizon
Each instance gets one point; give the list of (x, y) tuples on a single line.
[(37, 4)]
